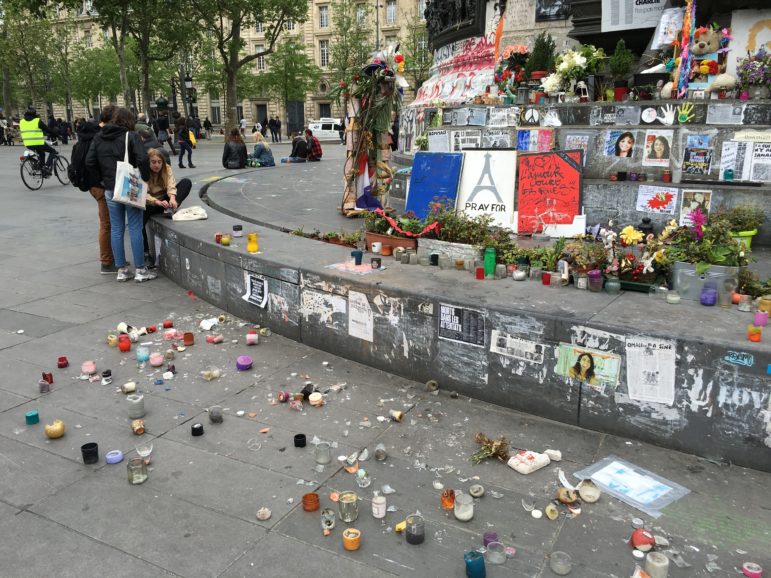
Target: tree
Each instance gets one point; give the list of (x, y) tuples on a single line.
[(95, 72), (291, 73), (114, 16), (225, 19), (351, 44), (414, 46)]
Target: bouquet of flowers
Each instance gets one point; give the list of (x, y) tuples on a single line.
[(755, 69), (636, 257), (511, 69)]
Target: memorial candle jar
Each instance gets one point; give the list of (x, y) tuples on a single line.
[(136, 406), (448, 499), (761, 318), (475, 564), (415, 532), (348, 504), (379, 506), (464, 507), (323, 453), (252, 243), (137, 471), (754, 333)]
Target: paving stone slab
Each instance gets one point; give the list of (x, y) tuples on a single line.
[(29, 474), (171, 533), (9, 400), (34, 546), (78, 306), (32, 325)]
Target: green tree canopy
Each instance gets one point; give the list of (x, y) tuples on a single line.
[(353, 40)]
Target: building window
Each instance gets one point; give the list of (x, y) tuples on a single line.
[(289, 24), (391, 11), (323, 53), (260, 59), (87, 42), (422, 43), (422, 9), (361, 14), (323, 16), (258, 27), (325, 110), (216, 115)]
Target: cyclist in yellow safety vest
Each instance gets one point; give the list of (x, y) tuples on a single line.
[(32, 131)]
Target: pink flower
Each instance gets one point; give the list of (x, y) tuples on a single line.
[(698, 220)]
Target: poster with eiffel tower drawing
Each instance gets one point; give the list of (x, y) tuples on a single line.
[(487, 185), (549, 189)]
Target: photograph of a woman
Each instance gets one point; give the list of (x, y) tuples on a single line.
[(625, 144), (583, 370), (657, 148)]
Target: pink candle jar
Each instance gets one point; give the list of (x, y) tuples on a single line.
[(156, 359), (761, 318)]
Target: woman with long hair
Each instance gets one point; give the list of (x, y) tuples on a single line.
[(659, 149), (583, 370), (164, 193), (262, 153), (234, 153), (625, 144), (107, 148)]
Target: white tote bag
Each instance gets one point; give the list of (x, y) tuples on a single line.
[(130, 189)]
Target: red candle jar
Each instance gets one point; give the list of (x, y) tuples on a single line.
[(188, 338), (545, 278), (311, 502), (480, 273), (62, 362), (667, 176), (168, 324), (124, 343)]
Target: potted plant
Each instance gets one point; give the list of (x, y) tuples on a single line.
[(700, 252), (754, 74), (743, 221), (635, 259), (620, 65), (585, 253), (454, 234), (541, 59), (378, 227)]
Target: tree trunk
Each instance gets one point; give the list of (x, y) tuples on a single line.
[(145, 67), (8, 106), (119, 44), (231, 87)]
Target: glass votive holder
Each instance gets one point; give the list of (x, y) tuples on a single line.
[(143, 354), (754, 333), (323, 453), (560, 563), (415, 532), (662, 292), (496, 553), (348, 504), (448, 499), (708, 297), (761, 318), (464, 507), (673, 297), (137, 471), (745, 303)]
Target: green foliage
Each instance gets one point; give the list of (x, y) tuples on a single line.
[(542, 55), (716, 247), (620, 62), (414, 46), (353, 39), (95, 72), (739, 218), (585, 252), (457, 227), (291, 73)]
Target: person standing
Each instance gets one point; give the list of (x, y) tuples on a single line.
[(164, 194), (234, 153), (264, 123), (243, 126), (278, 128), (314, 146), (272, 127), (164, 132), (257, 127), (197, 127), (184, 142), (107, 148), (3, 129)]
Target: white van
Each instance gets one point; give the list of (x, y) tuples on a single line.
[(326, 128)]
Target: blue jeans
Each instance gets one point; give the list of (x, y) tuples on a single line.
[(184, 146), (293, 160), (119, 213)]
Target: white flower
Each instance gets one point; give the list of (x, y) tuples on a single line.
[(579, 60), (551, 84), (563, 66), (648, 266)]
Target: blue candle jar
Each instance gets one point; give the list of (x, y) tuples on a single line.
[(708, 297), (475, 565)]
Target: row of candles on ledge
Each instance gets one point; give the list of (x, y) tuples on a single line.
[(710, 296)]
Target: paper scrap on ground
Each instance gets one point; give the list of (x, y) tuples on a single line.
[(634, 485), (350, 267)]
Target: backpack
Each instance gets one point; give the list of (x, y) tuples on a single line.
[(77, 171)]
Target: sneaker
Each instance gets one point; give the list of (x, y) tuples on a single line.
[(124, 274), (109, 269), (144, 274)]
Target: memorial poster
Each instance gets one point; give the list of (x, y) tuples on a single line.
[(461, 325)]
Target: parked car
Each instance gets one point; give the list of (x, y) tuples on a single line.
[(326, 128)]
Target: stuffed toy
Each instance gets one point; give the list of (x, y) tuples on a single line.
[(705, 41)]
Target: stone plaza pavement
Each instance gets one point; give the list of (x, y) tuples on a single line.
[(195, 515)]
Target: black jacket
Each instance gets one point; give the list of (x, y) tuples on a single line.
[(234, 155), (299, 148), (86, 133), (108, 148), (183, 134)]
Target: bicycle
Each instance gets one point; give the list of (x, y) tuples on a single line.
[(32, 174)]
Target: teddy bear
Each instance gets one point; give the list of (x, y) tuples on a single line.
[(705, 41)]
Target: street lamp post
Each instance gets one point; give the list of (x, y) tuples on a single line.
[(377, 25)]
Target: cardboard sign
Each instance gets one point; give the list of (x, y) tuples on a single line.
[(487, 185), (434, 175), (549, 189)]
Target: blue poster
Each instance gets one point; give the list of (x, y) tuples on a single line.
[(434, 175)]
